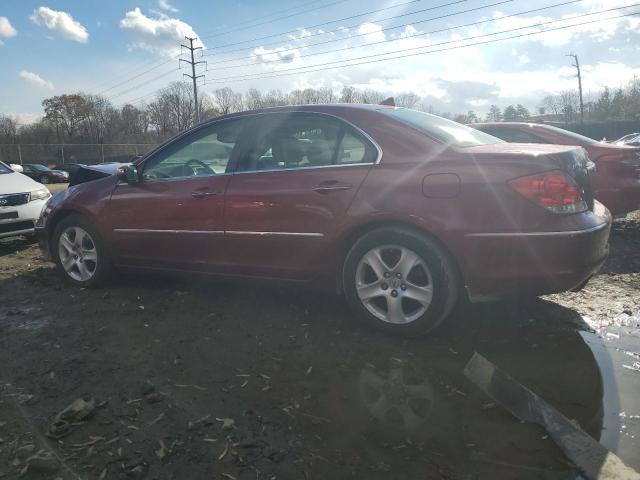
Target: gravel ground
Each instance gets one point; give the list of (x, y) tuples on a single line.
[(234, 380)]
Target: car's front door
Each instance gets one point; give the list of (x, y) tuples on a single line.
[(173, 218), (291, 187)]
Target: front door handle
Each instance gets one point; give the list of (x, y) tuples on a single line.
[(328, 187), (203, 194)]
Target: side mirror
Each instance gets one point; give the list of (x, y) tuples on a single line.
[(129, 174)]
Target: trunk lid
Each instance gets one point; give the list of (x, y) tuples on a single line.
[(573, 160)]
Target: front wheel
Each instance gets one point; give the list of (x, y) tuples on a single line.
[(44, 180), (399, 281), (80, 253)]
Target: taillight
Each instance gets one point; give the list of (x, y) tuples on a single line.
[(555, 190)]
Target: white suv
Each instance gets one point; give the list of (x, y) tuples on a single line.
[(21, 201)]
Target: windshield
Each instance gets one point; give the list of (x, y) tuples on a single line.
[(573, 135), (447, 131), (4, 168), (40, 168)]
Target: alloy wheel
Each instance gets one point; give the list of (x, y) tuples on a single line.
[(394, 284), (78, 254)]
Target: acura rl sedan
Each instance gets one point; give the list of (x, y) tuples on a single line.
[(400, 211), (616, 182)]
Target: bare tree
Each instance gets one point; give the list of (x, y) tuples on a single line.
[(407, 100), (226, 101)]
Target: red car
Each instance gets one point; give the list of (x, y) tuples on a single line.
[(616, 182), (402, 212)]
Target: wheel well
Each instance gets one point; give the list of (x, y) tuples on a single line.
[(57, 219), (349, 240)]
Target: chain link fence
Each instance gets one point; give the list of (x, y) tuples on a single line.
[(59, 154)]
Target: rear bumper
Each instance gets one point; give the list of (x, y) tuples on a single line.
[(536, 263)]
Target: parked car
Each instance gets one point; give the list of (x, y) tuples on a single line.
[(401, 211), (21, 201), (631, 141), (15, 167), (44, 174), (70, 168), (616, 182), (626, 138)]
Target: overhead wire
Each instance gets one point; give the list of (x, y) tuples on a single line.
[(421, 34), (313, 68)]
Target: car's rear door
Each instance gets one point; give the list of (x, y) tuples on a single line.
[(291, 187), (173, 219)]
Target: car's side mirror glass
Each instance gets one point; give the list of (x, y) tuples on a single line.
[(129, 174)]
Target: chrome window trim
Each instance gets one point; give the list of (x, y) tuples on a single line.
[(158, 149), (178, 232), (539, 234), (297, 169), (275, 234)]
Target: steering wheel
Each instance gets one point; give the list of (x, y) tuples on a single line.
[(194, 164)]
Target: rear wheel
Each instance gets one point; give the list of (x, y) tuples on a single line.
[(399, 281), (80, 253)]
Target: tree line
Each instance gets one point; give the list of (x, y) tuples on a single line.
[(89, 118)]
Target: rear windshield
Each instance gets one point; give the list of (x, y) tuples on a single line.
[(447, 131), (573, 135), (4, 169), (40, 168)]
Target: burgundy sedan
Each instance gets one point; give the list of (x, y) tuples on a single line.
[(402, 212), (616, 182)]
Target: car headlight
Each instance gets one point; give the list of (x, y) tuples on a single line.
[(41, 194)]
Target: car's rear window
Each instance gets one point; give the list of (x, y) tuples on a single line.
[(4, 169), (447, 131), (573, 135)]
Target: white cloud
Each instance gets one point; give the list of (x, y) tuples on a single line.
[(161, 35), (281, 54), (165, 5), (408, 31), (371, 32), (60, 22), (36, 80), (6, 29)]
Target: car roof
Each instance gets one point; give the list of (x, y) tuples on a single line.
[(329, 108)]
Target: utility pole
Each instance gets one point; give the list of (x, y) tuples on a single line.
[(193, 75), (576, 64)]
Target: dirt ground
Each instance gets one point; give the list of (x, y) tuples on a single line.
[(234, 380)]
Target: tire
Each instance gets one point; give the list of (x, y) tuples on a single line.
[(44, 180), (82, 258), (416, 301)]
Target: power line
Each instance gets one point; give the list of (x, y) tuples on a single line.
[(101, 84), (338, 29), (313, 69), (144, 84), (139, 75), (278, 18), (480, 22)]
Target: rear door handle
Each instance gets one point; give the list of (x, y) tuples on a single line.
[(328, 187), (203, 194)]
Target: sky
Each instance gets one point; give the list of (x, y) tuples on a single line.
[(127, 49)]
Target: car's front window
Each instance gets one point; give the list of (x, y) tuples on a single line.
[(205, 152), (4, 169), (39, 168), (447, 131)]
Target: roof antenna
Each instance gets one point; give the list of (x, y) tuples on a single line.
[(389, 102)]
